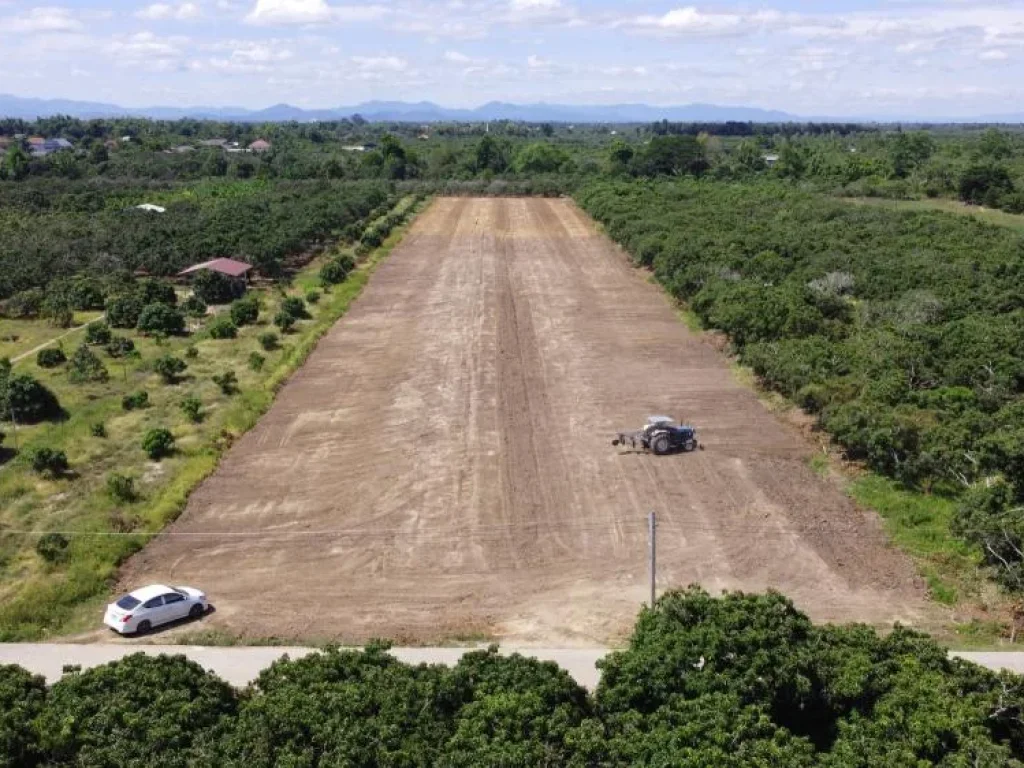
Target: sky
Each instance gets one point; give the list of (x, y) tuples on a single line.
[(927, 58)]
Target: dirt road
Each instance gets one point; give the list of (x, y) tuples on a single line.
[(442, 468)]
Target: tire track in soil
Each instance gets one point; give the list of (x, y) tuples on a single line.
[(441, 465)]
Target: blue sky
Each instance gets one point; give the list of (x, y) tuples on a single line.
[(848, 57)]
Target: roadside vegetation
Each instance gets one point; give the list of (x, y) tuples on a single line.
[(105, 446), (744, 681)]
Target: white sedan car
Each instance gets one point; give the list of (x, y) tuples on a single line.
[(151, 606)]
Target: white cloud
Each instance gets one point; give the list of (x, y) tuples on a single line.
[(691, 21), (145, 47), (380, 63), (311, 12), (43, 19), (456, 58), (162, 11), (993, 55)]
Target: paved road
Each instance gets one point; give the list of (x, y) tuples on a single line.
[(239, 665)]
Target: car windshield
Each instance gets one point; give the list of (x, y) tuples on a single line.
[(180, 591), (127, 602)]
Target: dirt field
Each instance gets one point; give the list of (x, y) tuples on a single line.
[(442, 467)]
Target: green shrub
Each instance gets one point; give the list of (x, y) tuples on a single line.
[(346, 262), (26, 400), (192, 407), (51, 357), (121, 488), (194, 306), (245, 311), (124, 311), (135, 401), (160, 318), (313, 297), (153, 291), (86, 294), (285, 321), (256, 361), (215, 288), (191, 353), (22, 697), (158, 443), (98, 429), (49, 461), (222, 328), (169, 368), (332, 273), (120, 346), (85, 366), (268, 341), (227, 382), (52, 547), (295, 307), (26, 304), (97, 334), (141, 710)]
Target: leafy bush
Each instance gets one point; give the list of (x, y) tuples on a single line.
[(121, 488), (158, 443), (268, 341), (120, 346), (86, 294), (332, 273), (98, 429), (26, 304), (194, 306), (245, 311), (152, 291), (26, 400), (85, 366), (285, 321), (227, 382), (97, 334), (169, 368), (160, 318), (191, 353), (135, 401), (124, 311), (256, 361), (215, 288), (141, 709), (52, 547), (49, 461), (22, 697), (222, 328), (295, 307), (51, 357), (192, 407), (313, 297)]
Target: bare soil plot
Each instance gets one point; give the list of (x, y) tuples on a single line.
[(442, 468)]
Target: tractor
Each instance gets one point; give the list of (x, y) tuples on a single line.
[(661, 435)]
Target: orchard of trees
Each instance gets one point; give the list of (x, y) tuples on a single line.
[(743, 681)]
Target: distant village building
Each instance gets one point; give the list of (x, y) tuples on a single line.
[(259, 145), (150, 208), (771, 160), (40, 147), (354, 148), (213, 143)]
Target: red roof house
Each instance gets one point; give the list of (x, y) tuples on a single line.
[(228, 267)]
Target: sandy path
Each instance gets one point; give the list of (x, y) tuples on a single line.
[(442, 467)]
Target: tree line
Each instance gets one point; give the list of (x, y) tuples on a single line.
[(743, 680)]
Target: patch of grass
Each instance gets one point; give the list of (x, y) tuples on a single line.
[(40, 599), (820, 465), (920, 525)]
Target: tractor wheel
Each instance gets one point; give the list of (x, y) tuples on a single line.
[(660, 445), (691, 445)]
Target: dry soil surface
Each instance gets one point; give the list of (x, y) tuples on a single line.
[(442, 466)]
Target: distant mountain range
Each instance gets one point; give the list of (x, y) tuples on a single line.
[(428, 112)]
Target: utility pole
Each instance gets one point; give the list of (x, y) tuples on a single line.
[(652, 531)]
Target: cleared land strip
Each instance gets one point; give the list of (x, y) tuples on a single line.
[(441, 467)]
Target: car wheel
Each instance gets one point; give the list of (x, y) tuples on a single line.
[(196, 611), (143, 628)]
